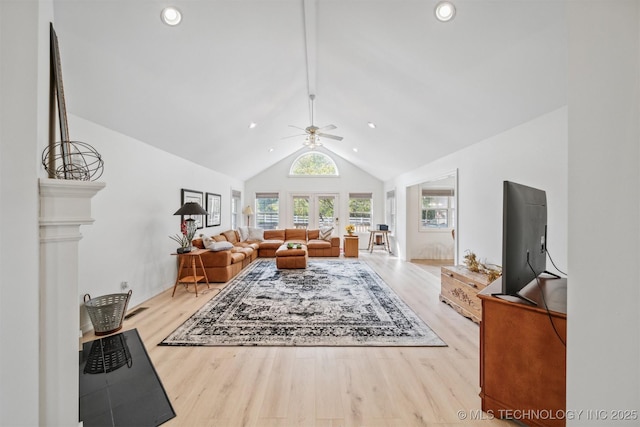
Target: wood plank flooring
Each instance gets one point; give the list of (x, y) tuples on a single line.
[(321, 386)]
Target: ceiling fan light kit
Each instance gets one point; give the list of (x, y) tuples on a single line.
[(312, 142)]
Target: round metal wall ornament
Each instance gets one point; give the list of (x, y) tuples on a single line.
[(73, 160)]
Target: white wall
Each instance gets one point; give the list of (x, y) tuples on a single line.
[(134, 214), (603, 342), (351, 180), (534, 154), (24, 79)]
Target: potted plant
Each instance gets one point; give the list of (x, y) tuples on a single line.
[(188, 229), (350, 229)]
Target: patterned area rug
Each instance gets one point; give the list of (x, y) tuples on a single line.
[(330, 303)]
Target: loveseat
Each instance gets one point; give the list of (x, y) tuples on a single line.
[(232, 250)]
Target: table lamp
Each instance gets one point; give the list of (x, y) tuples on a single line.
[(190, 208)]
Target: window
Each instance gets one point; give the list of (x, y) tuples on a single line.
[(267, 210), (391, 209), (360, 211), (314, 164), (236, 196), (437, 207)]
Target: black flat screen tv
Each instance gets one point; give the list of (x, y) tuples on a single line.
[(524, 235)]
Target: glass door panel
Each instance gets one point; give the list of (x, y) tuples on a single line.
[(326, 211), (301, 208)]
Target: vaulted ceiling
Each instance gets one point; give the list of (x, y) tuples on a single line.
[(431, 88)]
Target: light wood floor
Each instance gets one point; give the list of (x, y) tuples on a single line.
[(432, 265), (321, 386)]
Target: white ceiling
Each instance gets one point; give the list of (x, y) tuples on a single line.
[(431, 88)]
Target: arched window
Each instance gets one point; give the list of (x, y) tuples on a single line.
[(314, 164)]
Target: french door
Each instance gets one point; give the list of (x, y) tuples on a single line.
[(313, 210)]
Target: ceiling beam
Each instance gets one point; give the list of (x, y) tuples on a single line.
[(309, 8)]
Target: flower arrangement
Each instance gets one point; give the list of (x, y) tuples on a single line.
[(188, 232), (350, 228), (472, 263)]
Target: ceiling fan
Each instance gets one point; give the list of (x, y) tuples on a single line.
[(312, 132)]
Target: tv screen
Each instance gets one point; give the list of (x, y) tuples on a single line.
[(524, 226)]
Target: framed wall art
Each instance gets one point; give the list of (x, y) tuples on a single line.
[(193, 196), (213, 209)]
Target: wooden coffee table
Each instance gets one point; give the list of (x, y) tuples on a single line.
[(291, 258)]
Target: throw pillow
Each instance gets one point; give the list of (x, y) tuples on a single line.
[(211, 244), (221, 246), (325, 233), (244, 233), (207, 240), (256, 234)]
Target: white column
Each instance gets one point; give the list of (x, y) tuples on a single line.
[(603, 296), (65, 205)]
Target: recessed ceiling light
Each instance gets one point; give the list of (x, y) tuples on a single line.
[(445, 11), (355, 149), (371, 125), (271, 149), (171, 16), (252, 125)]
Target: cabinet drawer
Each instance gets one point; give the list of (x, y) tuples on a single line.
[(461, 274)]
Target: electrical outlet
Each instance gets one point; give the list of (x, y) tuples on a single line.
[(124, 285)]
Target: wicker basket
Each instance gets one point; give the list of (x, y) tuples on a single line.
[(107, 312)]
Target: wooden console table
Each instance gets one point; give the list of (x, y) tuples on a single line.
[(193, 278), (522, 358)]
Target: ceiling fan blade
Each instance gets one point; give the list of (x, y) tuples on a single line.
[(293, 136), (326, 135), (297, 127), (328, 127)]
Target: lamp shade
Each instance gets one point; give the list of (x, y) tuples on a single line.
[(248, 210), (191, 208)]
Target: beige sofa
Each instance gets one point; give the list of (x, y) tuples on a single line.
[(223, 265)]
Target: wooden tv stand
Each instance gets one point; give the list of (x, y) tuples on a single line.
[(522, 360)]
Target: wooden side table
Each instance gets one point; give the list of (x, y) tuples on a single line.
[(350, 246), (190, 258), (385, 239)]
